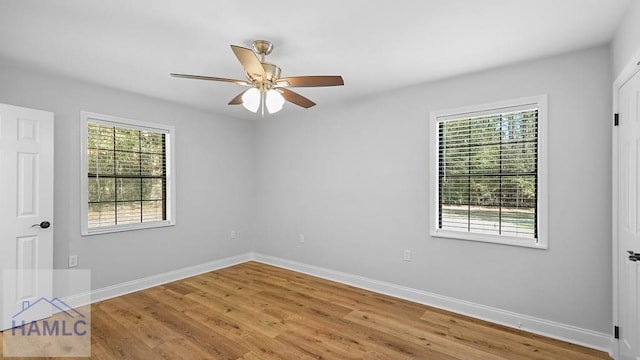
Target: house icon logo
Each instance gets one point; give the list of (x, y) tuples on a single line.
[(67, 322), (46, 325)]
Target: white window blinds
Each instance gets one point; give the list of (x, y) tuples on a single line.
[(487, 172), (127, 176)]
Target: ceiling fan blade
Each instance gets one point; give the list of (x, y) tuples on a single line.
[(237, 100), (310, 81), (211, 78), (249, 61), (296, 98)]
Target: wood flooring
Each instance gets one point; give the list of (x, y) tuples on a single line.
[(255, 311)]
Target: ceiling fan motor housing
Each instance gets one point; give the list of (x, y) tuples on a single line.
[(271, 71)]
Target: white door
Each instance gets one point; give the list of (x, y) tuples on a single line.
[(628, 226), (26, 208)]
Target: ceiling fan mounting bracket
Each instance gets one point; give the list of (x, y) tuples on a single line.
[(262, 47)]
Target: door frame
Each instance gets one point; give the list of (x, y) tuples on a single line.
[(629, 71)]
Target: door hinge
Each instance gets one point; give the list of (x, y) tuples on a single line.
[(616, 119), (616, 332)]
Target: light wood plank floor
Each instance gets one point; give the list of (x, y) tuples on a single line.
[(254, 311)]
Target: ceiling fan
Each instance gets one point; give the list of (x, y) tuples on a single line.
[(266, 88)]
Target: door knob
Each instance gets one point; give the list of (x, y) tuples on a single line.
[(43, 225), (633, 256)]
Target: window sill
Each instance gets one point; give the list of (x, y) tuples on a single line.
[(502, 240), (120, 228)]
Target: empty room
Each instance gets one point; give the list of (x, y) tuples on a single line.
[(438, 179)]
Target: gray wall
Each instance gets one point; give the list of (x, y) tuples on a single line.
[(214, 169), (353, 178), (626, 43)]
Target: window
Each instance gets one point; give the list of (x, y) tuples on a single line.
[(489, 178), (127, 180)]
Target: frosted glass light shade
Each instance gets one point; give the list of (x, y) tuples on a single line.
[(251, 99), (274, 101)]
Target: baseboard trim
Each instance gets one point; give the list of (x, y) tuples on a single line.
[(569, 333), (164, 278)]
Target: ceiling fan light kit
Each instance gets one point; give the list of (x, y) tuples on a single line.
[(251, 99), (266, 88), (274, 101)]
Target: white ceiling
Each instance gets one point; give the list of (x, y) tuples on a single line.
[(376, 46)]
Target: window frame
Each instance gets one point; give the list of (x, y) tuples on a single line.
[(110, 120), (435, 117)]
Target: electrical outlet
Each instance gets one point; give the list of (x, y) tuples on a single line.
[(300, 238), (407, 255), (234, 235), (73, 261)]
